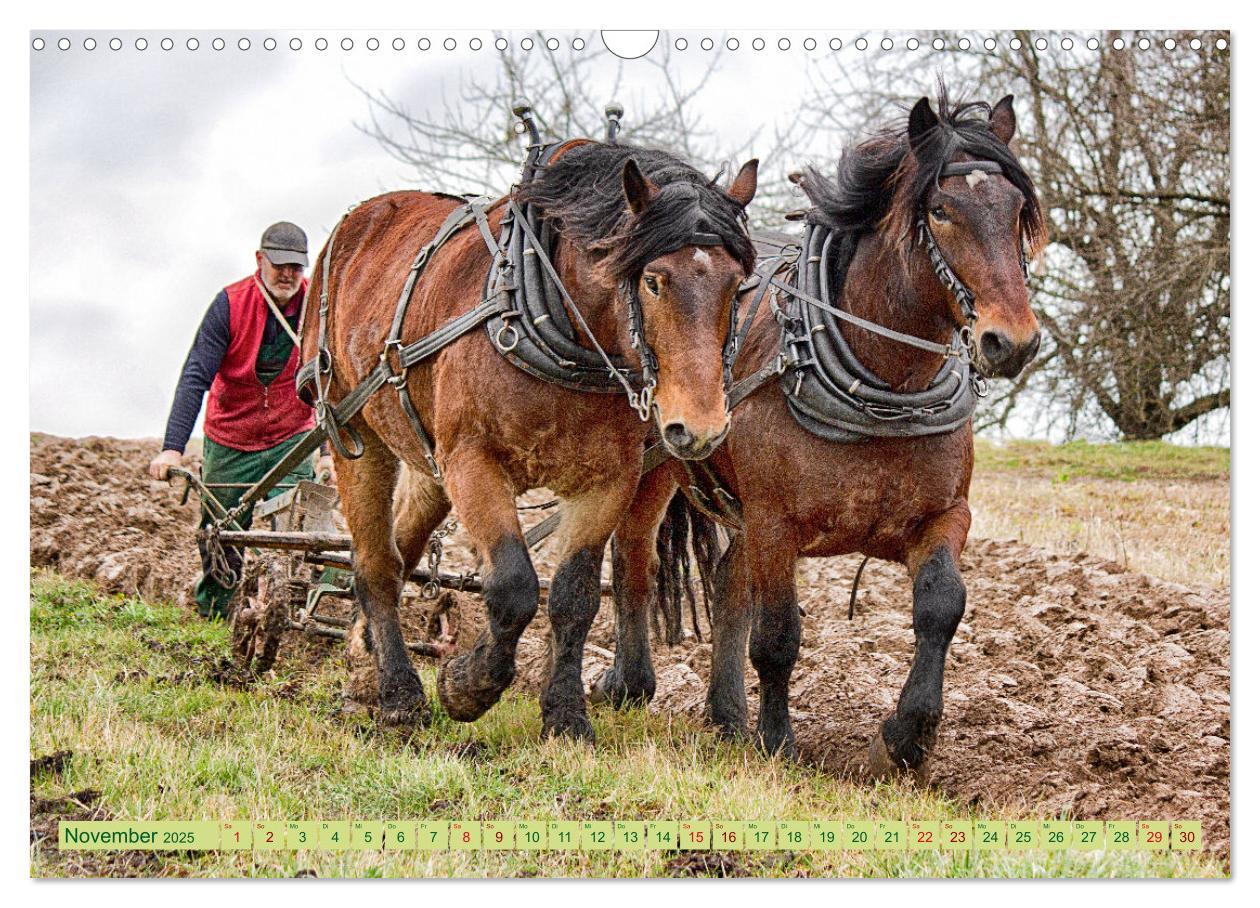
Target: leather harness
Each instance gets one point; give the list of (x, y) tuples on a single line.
[(525, 308), (827, 390)]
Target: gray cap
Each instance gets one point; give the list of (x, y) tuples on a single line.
[(284, 244)]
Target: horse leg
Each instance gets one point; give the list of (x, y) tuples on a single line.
[(727, 705), (773, 648), (906, 739), (631, 679), (573, 602), (367, 487), (472, 682), (420, 505)]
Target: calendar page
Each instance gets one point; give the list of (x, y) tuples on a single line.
[(778, 452)]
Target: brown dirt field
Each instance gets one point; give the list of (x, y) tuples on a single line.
[(1072, 685)]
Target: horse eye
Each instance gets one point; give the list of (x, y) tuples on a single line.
[(653, 287), (938, 214)]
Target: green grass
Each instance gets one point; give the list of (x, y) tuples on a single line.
[(128, 688), (1118, 460)]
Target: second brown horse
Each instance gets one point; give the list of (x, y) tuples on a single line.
[(900, 499), (623, 217)]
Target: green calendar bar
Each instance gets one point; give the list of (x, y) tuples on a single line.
[(631, 835)]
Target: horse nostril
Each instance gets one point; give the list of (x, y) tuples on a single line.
[(1032, 347), (678, 436), (996, 347)]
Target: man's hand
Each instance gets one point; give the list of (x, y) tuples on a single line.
[(160, 468), (325, 465)]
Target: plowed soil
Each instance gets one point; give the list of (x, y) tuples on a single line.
[(1071, 686)]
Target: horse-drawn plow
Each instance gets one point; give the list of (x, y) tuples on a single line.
[(297, 567)]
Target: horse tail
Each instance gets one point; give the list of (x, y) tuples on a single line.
[(684, 524)]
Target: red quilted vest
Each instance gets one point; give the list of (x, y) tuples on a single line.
[(242, 412)]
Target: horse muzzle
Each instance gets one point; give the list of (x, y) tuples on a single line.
[(1003, 357), (684, 444)]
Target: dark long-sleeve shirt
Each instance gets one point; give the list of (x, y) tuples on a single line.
[(206, 356)]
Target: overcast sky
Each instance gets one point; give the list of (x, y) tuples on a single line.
[(154, 172)]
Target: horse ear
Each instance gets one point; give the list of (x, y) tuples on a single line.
[(639, 189), (1002, 119), (922, 121), (744, 186)]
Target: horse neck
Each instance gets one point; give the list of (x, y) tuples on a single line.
[(600, 306), (901, 293)]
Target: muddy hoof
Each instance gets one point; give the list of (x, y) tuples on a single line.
[(417, 714), (612, 690), (779, 746), (355, 708), (882, 765), (569, 725), (462, 701)]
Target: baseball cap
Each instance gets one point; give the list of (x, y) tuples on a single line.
[(284, 243)]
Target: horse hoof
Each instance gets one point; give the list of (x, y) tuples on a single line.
[(460, 704), (609, 688), (352, 707), (573, 725), (417, 714), (779, 746), (882, 765)]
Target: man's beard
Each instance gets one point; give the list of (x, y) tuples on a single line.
[(281, 294)]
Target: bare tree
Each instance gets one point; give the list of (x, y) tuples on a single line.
[(1130, 152), (469, 138)]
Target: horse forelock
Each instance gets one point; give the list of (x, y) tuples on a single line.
[(881, 183), (582, 195)]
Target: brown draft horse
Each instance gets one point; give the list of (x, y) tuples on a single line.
[(900, 499), (622, 216)]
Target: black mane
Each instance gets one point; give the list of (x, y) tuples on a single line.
[(873, 178), (581, 195)]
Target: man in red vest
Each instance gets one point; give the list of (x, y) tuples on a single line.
[(245, 355)]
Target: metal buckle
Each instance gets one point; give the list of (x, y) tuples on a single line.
[(396, 379)]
